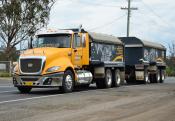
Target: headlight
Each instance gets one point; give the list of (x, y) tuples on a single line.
[(52, 69)]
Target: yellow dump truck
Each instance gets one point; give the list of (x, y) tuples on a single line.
[(67, 58)]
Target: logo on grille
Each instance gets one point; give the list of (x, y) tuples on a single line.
[(30, 65)]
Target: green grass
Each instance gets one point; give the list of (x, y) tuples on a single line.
[(4, 74), (170, 71)]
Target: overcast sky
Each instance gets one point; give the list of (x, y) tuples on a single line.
[(154, 19)]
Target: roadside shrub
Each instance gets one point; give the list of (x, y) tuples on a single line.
[(170, 71)]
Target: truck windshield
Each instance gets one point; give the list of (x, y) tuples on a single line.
[(59, 41)]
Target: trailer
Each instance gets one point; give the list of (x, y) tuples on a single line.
[(68, 58), (144, 61)]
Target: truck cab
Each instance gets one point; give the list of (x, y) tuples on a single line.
[(54, 57)]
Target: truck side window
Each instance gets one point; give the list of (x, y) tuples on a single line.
[(77, 41)]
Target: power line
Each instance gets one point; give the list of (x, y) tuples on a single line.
[(100, 4), (153, 12), (108, 23), (129, 9)]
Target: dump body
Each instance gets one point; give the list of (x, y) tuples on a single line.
[(106, 49)]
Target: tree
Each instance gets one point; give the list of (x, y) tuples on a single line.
[(171, 60), (20, 19), (172, 49)]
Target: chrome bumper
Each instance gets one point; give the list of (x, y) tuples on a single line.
[(51, 80)]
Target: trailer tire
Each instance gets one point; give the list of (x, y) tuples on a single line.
[(158, 76), (116, 78), (68, 82), (146, 77), (24, 89), (162, 76)]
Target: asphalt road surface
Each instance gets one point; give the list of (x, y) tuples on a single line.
[(152, 102)]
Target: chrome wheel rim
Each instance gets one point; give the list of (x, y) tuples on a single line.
[(108, 77), (147, 78), (68, 81), (118, 80), (158, 77), (163, 76)]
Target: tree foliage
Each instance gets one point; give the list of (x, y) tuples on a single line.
[(171, 60), (20, 19)]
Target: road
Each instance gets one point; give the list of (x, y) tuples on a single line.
[(153, 102)]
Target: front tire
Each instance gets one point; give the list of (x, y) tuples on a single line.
[(68, 82), (24, 89)]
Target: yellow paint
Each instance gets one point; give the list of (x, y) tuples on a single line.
[(118, 58), (28, 83)]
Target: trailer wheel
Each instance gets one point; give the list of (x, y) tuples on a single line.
[(24, 89), (151, 77), (158, 76), (117, 78), (68, 82), (162, 76), (146, 77)]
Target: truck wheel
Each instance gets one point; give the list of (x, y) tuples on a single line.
[(24, 89), (146, 77), (158, 76), (117, 78), (152, 78), (108, 78), (162, 76), (100, 83), (68, 82)]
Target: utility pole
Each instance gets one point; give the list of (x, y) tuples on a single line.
[(129, 9)]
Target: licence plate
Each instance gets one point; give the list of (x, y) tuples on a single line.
[(28, 83)]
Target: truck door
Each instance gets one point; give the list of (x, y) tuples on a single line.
[(77, 51)]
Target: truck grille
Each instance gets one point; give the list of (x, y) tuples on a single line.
[(30, 65)]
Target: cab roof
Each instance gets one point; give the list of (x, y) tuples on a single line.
[(52, 31)]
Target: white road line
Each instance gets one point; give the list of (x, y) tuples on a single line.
[(6, 86), (7, 91), (25, 99)]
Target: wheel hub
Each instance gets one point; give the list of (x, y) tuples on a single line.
[(68, 81)]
